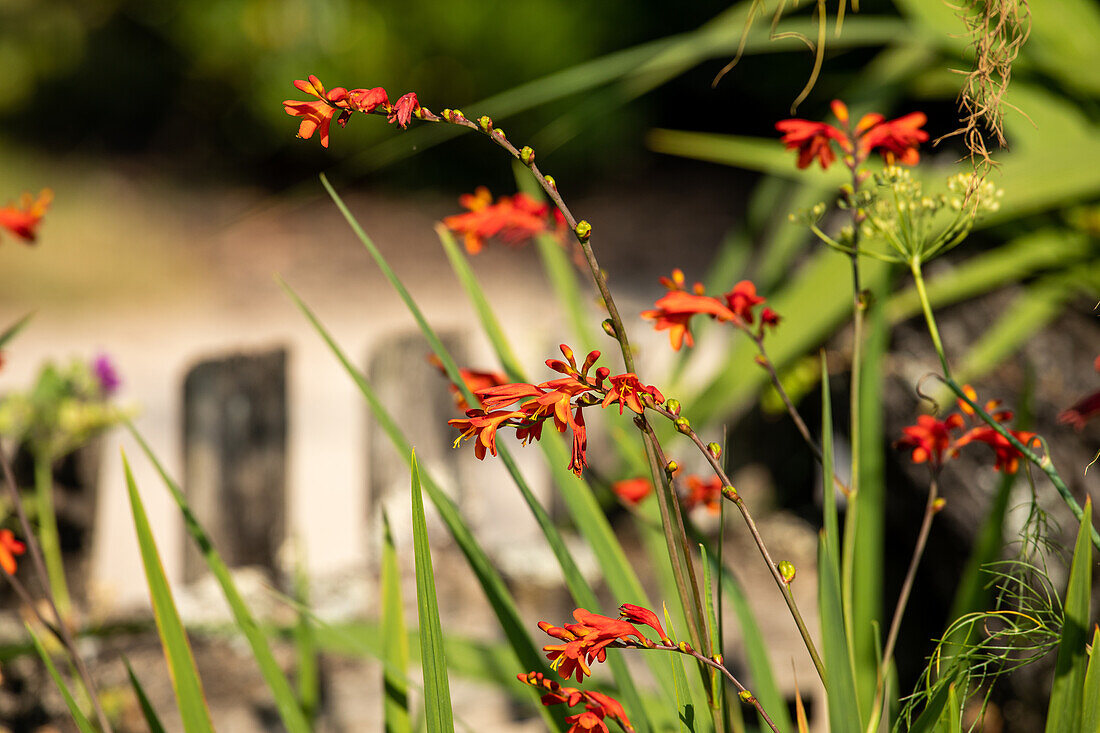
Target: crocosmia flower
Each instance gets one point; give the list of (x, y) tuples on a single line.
[(9, 548), (1007, 455), (629, 392), (596, 704), (586, 641), (318, 114), (22, 220), (896, 140), (641, 615), (742, 299), (632, 490), (403, 109), (512, 219), (931, 439), (703, 492)]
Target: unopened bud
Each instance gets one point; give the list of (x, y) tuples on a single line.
[(938, 505), (448, 114), (746, 697), (527, 155), (683, 425), (672, 467), (715, 450), (485, 123), (457, 116), (786, 571), (583, 230), (729, 492), (684, 647), (609, 328), (550, 179), (673, 406), (717, 659), (499, 131)]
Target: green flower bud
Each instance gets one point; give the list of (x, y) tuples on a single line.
[(715, 450), (729, 492), (609, 328), (672, 467), (527, 155), (550, 179), (583, 230), (673, 406), (786, 570), (485, 123), (746, 697), (683, 425), (499, 131)]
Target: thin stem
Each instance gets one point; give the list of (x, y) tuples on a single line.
[(903, 597), (859, 307), (61, 629), (926, 306), (48, 534), (773, 568), (710, 662)]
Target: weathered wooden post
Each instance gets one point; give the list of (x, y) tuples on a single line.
[(235, 436)]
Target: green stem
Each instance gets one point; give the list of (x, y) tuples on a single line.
[(926, 306), (48, 535)]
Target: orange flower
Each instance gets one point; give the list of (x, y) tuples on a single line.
[(931, 439), (512, 219), (403, 109), (703, 492), (483, 426), (1007, 455), (897, 140), (674, 311), (629, 392), (9, 548), (596, 703), (23, 220), (632, 490), (586, 722), (640, 615), (367, 100), (586, 641), (315, 115)]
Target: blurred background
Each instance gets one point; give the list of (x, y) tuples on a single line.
[(180, 189)]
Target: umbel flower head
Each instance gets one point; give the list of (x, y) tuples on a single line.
[(896, 140)]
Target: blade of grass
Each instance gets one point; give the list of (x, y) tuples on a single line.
[(395, 648), (77, 714), (10, 332), (437, 691), (286, 702), (177, 649), (686, 707), (841, 693), (147, 711), (1064, 713), (1090, 714), (305, 642)]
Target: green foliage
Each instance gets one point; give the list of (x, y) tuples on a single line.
[(395, 644), (77, 714)]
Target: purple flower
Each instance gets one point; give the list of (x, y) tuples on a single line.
[(105, 374)]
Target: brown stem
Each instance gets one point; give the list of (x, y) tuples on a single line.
[(61, 630)]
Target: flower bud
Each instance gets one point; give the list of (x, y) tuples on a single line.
[(786, 571), (673, 406), (938, 505), (684, 647), (609, 328), (729, 492), (715, 450), (527, 155), (500, 131), (550, 179), (583, 230), (746, 697), (717, 659), (683, 425), (672, 467), (448, 114), (485, 123)]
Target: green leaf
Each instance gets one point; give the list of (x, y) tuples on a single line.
[(10, 332), (395, 648), (286, 702), (305, 642), (147, 711), (842, 702), (437, 691), (1090, 715), (687, 709), (177, 649), (1064, 713), (77, 714), (830, 515)]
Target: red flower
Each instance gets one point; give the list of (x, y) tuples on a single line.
[(742, 299), (483, 426), (586, 722), (897, 140), (641, 615), (768, 317), (367, 100), (596, 703), (315, 115), (812, 140), (513, 219), (585, 641), (931, 439), (632, 490), (1084, 409), (1008, 456), (9, 548), (23, 220), (629, 392), (403, 109), (674, 311), (703, 492)]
